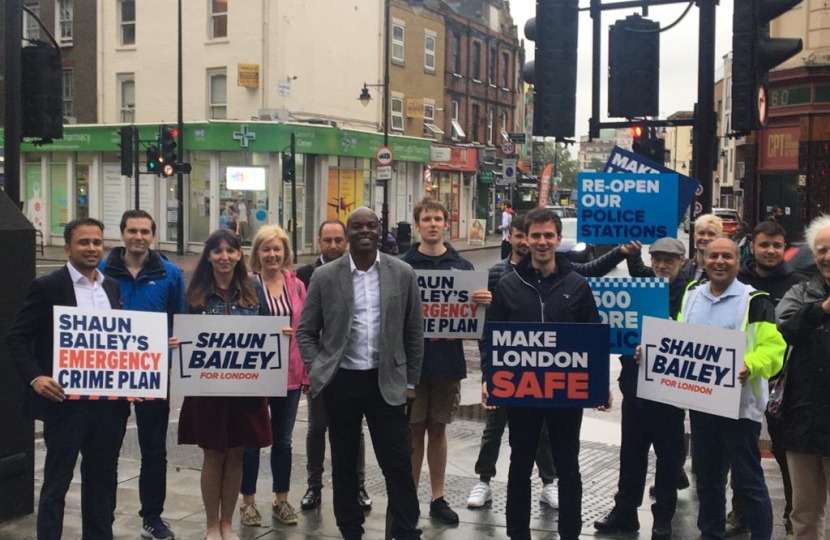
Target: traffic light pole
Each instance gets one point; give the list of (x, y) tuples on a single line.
[(137, 162), (294, 195), (705, 128), (13, 100), (180, 142)]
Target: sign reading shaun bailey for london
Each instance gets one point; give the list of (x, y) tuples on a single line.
[(449, 311), (617, 208), (226, 355), (692, 366), (547, 364), (110, 353)]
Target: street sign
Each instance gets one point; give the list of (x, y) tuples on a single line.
[(509, 171), (384, 156), (487, 177), (385, 172), (508, 148), (762, 105), (518, 138)]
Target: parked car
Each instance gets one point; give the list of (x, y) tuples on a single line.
[(580, 252), (563, 211), (730, 219)]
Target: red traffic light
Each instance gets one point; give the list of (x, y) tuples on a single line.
[(174, 132), (636, 131)]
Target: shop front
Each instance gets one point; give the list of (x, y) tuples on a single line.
[(452, 175), (780, 184)]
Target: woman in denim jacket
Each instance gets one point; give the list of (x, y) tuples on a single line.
[(223, 426)]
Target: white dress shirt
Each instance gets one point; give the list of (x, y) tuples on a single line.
[(363, 349), (89, 294)]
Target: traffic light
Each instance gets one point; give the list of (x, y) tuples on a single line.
[(646, 143), (168, 157), (754, 53), (553, 72), (153, 165), (42, 92), (287, 167), (126, 154), (634, 68)]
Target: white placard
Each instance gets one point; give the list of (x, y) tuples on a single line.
[(692, 366), (449, 311), (110, 353), (228, 355)]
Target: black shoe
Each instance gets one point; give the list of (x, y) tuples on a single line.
[(312, 499), (661, 532), (440, 510), (683, 481), (616, 522), (156, 529), (364, 499)]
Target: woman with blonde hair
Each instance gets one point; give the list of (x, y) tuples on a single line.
[(223, 426), (707, 228), (285, 295)]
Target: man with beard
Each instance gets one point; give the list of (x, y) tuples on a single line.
[(768, 272)]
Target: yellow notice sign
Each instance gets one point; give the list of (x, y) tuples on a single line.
[(248, 75), (415, 108)]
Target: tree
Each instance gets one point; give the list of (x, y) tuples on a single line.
[(547, 151)]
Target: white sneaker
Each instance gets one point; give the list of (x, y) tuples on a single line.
[(550, 495), (479, 495)]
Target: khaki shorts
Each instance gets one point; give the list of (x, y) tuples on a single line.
[(436, 400)]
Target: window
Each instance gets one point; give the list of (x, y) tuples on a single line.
[(64, 14), (430, 129), (476, 61), (429, 51), (127, 88), (729, 93), (491, 67), (476, 113), (490, 127), (127, 12), (68, 85), (505, 70), (31, 30), (398, 42), (455, 110), (397, 113), (218, 19), (456, 54), (218, 82), (504, 124)]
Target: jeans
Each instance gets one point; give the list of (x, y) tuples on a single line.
[(718, 442), (494, 423), (564, 426), (151, 418), (315, 444), (283, 415)]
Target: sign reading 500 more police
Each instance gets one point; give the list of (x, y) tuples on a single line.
[(110, 353), (449, 311), (622, 303), (617, 208), (226, 355), (547, 364)]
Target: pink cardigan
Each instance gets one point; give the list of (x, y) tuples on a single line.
[(296, 293)]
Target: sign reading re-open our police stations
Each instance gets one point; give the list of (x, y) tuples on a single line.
[(547, 364), (617, 208)]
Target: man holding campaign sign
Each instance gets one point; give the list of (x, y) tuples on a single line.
[(544, 373), (454, 304), (722, 378)]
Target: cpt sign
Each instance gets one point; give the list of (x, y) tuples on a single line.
[(384, 156)]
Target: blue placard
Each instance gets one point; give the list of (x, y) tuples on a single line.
[(623, 301), (618, 208), (623, 161), (547, 364)]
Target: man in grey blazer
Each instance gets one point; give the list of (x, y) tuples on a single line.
[(361, 338)]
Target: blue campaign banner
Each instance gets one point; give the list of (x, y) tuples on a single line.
[(623, 301), (547, 364), (617, 208), (623, 161)]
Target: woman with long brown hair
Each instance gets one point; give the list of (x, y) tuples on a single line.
[(223, 426)]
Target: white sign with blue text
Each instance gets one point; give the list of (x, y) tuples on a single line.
[(617, 208), (226, 355), (449, 310)]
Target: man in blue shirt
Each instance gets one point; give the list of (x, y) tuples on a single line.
[(149, 282)]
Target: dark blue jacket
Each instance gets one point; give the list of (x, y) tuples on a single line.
[(443, 358), (159, 287)]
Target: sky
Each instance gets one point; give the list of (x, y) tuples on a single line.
[(678, 53)]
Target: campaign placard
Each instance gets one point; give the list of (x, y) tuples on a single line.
[(617, 208), (623, 161), (449, 311), (226, 355), (110, 353), (623, 301), (692, 366), (547, 364)]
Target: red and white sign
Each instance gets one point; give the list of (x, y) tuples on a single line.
[(384, 156), (508, 147), (762, 105)]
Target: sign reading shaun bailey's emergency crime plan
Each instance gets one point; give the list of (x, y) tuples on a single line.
[(110, 353), (617, 208), (449, 310), (547, 364), (226, 355), (622, 303), (692, 366)]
